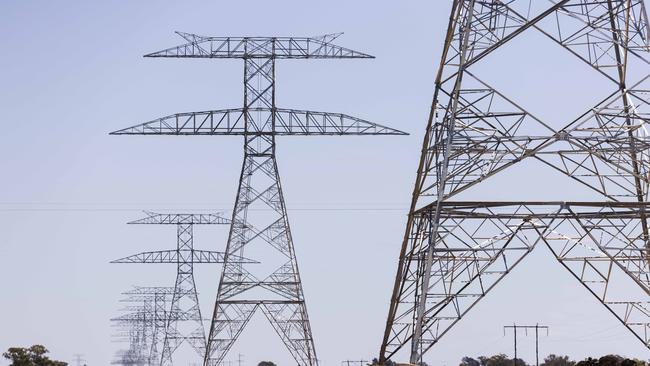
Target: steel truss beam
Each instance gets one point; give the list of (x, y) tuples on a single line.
[(173, 256), (288, 122), (277, 292), (259, 47), (154, 218), (453, 253), (479, 243)]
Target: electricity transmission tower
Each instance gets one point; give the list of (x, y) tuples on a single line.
[(276, 291), (144, 325), (185, 323), (454, 252), (134, 328)]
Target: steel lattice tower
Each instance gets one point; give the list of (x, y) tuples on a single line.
[(185, 323), (144, 324), (454, 252), (277, 292)]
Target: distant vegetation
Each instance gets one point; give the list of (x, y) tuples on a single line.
[(375, 362), (553, 360), (32, 356), (266, 363)]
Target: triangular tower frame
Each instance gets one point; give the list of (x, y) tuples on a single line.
[(455, 252)]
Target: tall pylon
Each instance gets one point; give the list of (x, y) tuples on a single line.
[(276, 289), (454, 252), (184, 323), (144, 325)]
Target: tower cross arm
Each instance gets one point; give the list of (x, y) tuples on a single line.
[(301, 122), (129, 318), (172, 256), (139, 290), (208, 256), (231, 122), (259, 47), (181, 219), (219, 122)]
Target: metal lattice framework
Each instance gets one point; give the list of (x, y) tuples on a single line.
[(186, 323), (455, 252), (276, 288), (144, 325)]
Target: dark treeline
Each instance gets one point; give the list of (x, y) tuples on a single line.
[(553, 360), (32, 356)]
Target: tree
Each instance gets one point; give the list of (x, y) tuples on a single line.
[(496, 360), (500, 360), (375, 362), (554, 360), (610, 360), (633, 362), (32, 356), (468, 361), (266, 363), (588, 362)]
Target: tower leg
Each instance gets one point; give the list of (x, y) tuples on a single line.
[(604, 254), (160, 324), (470, 256), (185, 323)]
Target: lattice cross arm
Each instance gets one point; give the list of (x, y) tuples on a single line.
[(231, 122), (171, 256), (181, 219), (259, 47)]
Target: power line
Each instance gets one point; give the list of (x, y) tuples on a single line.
[(99, 208)]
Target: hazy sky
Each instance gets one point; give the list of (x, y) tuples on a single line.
[(72, 71)]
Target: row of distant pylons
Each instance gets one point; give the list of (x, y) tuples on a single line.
[(455, 250), (166, 318)]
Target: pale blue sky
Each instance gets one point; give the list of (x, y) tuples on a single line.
[(72, 71)]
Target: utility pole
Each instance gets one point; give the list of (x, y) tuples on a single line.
[(536, 327), (240, 359)]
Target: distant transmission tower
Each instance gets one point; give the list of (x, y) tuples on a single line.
[(144, 324), (185, 322), (455, 252), (259, 203)]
